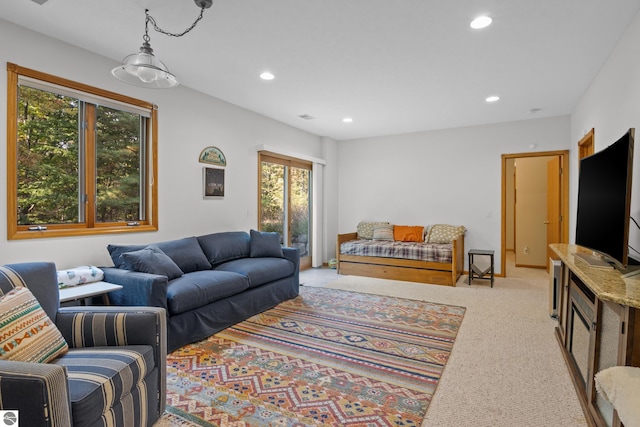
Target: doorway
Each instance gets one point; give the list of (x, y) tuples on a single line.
[(551, 202), (284, 201)]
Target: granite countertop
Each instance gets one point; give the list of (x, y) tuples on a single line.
[(607, 285)]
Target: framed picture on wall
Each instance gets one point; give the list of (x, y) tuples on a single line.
[(212, 183), (213, 155)]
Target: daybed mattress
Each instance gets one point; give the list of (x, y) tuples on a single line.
[(431, 252)]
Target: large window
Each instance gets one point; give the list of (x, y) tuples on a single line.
[(80, 160)]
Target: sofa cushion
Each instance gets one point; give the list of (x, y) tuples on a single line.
[(100, 376), (28, 335), (260, 270), (152, 260), (200, 288), (223, 247), (264, 244), (186, 253)]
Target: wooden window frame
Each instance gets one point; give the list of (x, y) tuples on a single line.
[(267, 156), (89, 226)]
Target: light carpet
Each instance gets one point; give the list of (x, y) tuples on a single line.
[(328, 357)]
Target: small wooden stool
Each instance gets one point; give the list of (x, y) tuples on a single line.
[(474, 269)]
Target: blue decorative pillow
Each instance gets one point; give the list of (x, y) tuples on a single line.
[(265, 244), (186, 253), (225, 246), (153, 261)]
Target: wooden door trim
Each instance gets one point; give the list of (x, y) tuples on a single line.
[(564, 204), (586, 145)]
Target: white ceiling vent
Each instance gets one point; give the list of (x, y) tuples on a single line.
[(306, 117)]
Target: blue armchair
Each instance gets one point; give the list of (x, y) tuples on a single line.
[(114, 373)]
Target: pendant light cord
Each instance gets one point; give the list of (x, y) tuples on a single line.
[(160, 30)]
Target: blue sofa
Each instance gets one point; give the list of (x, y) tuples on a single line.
[(205, 283)]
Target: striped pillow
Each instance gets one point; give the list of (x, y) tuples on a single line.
[(26, 332), (383, 232)]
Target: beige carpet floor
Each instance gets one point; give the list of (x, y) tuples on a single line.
[(506, 368)]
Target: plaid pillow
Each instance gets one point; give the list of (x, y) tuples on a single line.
[(26, 332)]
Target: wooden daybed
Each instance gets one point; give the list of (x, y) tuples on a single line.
[(437, 273)]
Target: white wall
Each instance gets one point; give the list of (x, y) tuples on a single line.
[(448, 176), (189, 121), (611, 106)]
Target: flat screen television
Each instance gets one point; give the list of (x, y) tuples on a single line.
[(604, 202)]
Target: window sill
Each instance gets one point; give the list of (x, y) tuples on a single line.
[(70, 232)]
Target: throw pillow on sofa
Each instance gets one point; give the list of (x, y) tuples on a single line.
[(445, 233), (408, 233), (225, 246), (365, 229), (383, 232), (265, 244), (186, 253), (153, 261)]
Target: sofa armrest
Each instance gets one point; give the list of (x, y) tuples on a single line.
[(293, 255), (138, 289), (117, 326), (38, 391)]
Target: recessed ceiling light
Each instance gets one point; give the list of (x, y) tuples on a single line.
[(267, 75), (481, 22), (492, 98), (347, 120)]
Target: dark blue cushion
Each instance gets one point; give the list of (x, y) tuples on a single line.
[(200, 288), (223, 247), (186, 253), (265, 244), (152, 260), (260, 270)]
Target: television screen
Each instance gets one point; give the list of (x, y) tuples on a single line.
[(604, 201)]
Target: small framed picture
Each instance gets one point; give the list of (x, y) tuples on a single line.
[(212, 183)]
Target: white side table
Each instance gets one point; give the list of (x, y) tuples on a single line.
[(87, 290)]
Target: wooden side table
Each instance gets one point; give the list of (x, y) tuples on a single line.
[(477, 271), (87, 290)]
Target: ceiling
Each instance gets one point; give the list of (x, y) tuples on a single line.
[(394, 66)]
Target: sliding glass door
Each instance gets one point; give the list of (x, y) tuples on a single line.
[(285, 201)]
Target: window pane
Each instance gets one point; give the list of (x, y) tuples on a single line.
[(272, 198), (47, 158), (300, 212), (118, 138)]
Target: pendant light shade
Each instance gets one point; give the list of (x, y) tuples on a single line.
[(143, 68)]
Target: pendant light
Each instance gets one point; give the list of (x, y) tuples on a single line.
[(143, 69)]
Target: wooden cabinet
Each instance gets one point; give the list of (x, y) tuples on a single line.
[(598, 327)]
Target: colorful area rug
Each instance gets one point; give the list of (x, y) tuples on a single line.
[(328, 357)]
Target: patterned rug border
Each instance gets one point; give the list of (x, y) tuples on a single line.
[(385, 296), (419, 345)]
